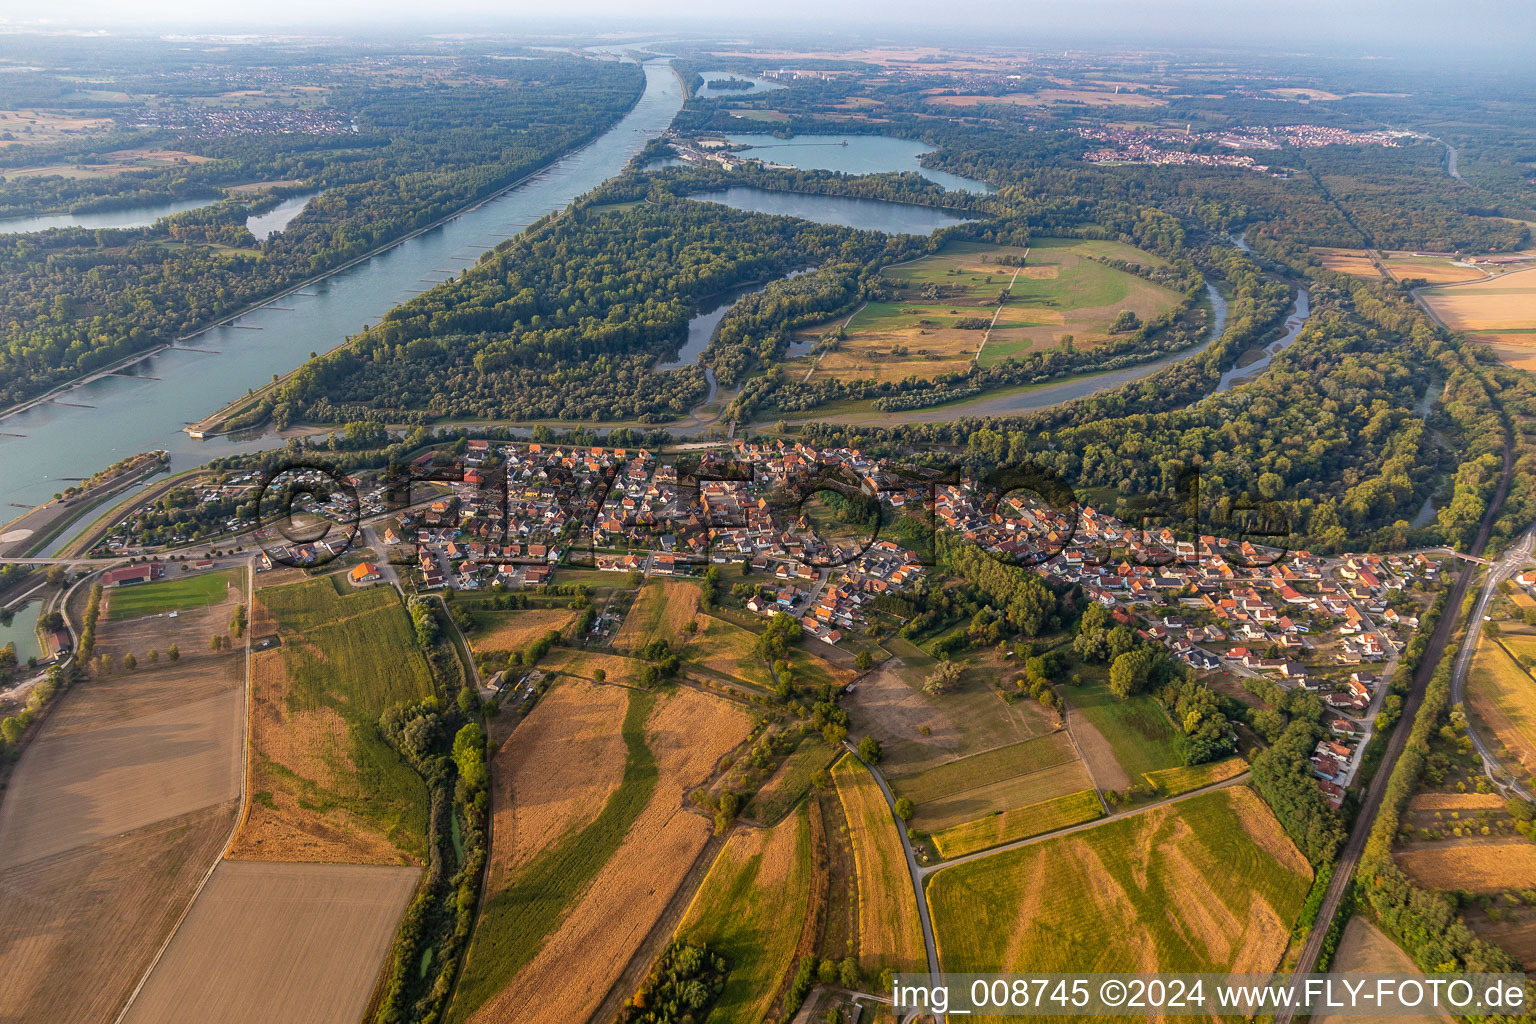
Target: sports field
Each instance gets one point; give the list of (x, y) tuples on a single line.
[(944, 306), (1209, 884), (171, 595), (751, 908), (325, 785)]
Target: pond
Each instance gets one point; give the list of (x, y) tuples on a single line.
[(866, 214), (851, 154), (22, 631), (261, 225)]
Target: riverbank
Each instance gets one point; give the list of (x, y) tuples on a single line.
[(254, 305)]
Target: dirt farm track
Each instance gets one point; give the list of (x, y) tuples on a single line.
[(278, 942)]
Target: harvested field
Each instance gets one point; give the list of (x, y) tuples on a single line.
[(555, 772), (502, 632), (1045, 97), (556, 938), (1355, 262), (659, 613), (1209, 884), (1007, 795), (1476, 865), (1455, 802), (1434, 269), (1502, 696), (989, 766), (123, 752), (1098, 755), (1137, 730), (751, 908), (891, 706), (726, 648), (278, 942), (114, 813), (1021, 823), (121, 894), (791, 781), (890, 934), (1500, 309), (1365, 949), (325, 785), (921, 331), (584, 664)]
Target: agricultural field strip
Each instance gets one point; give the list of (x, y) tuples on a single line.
[(998, 764), (1215, 883), (1031, 820), (999, 311), (1236, 780)]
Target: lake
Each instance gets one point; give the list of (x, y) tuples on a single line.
[(111, 417), (759, 85), (263, 225), (126, 217), (867, 214), (851, 154)]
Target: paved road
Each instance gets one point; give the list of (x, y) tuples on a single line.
[(1354, 846), (1501, 570)]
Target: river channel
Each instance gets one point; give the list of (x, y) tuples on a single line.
[(145, 407)]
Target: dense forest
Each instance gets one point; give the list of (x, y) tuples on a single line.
[(72, 300), (567, 322)]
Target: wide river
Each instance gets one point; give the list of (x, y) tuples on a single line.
[(145, 409)]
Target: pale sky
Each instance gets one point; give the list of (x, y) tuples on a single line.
[(1435, 28)]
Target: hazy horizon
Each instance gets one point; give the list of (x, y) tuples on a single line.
[(1417, 28)]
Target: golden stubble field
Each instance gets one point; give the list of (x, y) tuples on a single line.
[(1499, 312), (687, 734), (517, 630), (1365, 949), (660, 612), (555, 772)]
